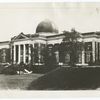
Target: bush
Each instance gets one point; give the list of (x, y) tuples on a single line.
[(28, 67), (38, 69), (10, 70), (94, 63), (68, 78), (1, 68), (42, 68)]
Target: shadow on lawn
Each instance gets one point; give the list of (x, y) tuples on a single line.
[(68, 79)]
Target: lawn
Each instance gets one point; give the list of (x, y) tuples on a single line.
[(61, 78), (19, 82)]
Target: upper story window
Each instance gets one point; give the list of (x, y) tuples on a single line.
[(88, 46)]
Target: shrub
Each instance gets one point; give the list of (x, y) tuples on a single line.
[(94, 63), (10, 70), (38, 68), (42, 68), (28, 67), (1, 68)]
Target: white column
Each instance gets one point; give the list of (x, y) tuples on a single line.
[(29, 53), (11, 53), (96, 49), (32, 55), (57, 56), (39, 54), (93, 50), (19, 54), (83, 57), (14, 54), (83, 53), (24, 53)]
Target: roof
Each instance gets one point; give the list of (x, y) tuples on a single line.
[(4, 42), (91, 33), (46, 26), (56, 35)]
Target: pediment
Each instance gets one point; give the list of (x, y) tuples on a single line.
[(21, 36)]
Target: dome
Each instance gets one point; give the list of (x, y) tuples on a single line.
[(46, 26)]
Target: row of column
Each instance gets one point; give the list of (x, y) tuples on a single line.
[(57, 55), (19, 53), (94, 53)]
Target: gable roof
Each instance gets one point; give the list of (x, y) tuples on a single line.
[(22, 36), (19, 37)]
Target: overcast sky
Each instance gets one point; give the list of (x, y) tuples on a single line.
[(24, 17)]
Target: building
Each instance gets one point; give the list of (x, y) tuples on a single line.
[(4, 52), (27, 48)]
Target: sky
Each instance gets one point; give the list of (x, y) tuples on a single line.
[(24, 17)]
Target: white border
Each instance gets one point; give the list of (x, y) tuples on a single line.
[(50, 94), (90, 95), (27, 1)]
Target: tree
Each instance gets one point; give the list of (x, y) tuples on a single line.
[(71, 36), (72, 45), (49, 56)]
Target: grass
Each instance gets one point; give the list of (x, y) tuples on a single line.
[(62, 78), (19, 82), (68, 79)]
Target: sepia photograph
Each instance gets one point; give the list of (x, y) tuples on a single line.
[(50, 46)]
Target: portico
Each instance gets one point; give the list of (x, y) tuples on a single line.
[(22, 53)]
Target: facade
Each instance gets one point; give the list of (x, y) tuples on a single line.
[(4, 52), (27, 48)]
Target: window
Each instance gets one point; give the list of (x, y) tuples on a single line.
[(88, 46), (67, 58), (27, 59), (17, 53), (79, 58), (27, 49), (21, 49), (88, 57)]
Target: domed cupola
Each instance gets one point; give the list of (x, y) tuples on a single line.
[(46, 26)]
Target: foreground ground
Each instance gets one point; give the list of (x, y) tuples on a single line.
[(62, 78), (71, 78), (19, 82)]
